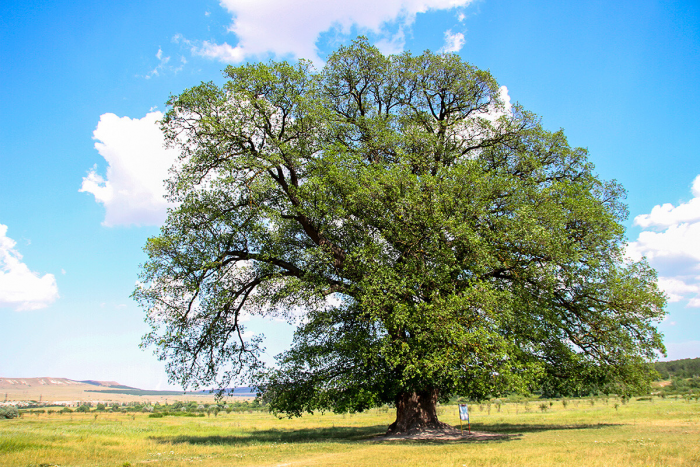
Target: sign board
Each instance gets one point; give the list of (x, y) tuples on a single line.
[(463, 412)]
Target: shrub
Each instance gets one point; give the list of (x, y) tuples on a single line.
[(9, 412), (498, 403)]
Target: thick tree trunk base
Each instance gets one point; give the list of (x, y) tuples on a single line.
[(417, 412)]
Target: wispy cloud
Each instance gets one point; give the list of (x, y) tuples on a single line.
[(163, 65), (222, 52), (453, 42)]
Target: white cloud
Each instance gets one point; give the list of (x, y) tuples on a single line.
[(163, 62), (676, 248), (132, 191), (222, 52), (21, 288), (281, 27), (676, 288), (505, 97), (667, 215), (673, 248), (392, 44), (453, 42)]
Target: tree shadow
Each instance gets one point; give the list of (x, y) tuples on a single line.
[(340, 434), (512, 428), (504, 432), (496, 433)]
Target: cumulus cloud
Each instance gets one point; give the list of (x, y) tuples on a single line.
[(390, 45), (676, 288), (496, 113), (20, 288), (281, 28), (453, 42), (132, 190), (671, 244), (667, 215)]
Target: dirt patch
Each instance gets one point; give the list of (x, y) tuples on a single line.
[(445, 434)]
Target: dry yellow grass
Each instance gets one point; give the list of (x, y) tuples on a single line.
[(659, 433)]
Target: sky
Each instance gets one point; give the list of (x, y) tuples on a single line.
[(82, 85)]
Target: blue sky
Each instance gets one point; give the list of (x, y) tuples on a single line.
[(81, 162)]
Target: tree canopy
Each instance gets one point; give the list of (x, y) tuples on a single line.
[(427, 239)]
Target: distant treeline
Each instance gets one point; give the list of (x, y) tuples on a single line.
[(137, 392), (685, 368), (245, 392)]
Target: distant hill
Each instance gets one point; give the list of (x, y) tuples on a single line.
[(21, 383), (49, 389), (685, 368), (109, 384)]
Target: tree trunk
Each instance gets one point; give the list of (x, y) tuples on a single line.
[(415, 412)]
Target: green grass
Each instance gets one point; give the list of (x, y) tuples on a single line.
[(641, 433)]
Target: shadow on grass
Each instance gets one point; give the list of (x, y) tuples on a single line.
[(343, 434), (513, 428), (509, 432)]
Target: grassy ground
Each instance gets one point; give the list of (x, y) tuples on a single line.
[(643, 433)]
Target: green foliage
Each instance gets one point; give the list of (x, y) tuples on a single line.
[(9, 412), (684, 368), (431, 238), (679, 385), (83, 408)]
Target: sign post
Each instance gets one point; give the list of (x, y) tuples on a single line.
[(464, 416)]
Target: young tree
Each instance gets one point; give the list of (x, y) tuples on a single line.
[(431, 240)]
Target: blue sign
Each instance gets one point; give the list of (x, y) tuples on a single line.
[(463, 412)]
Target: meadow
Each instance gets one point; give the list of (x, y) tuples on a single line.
[(577, 432)]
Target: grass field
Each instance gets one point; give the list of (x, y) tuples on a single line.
[(640, 433)]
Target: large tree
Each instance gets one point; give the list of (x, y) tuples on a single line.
[(427, 239)]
